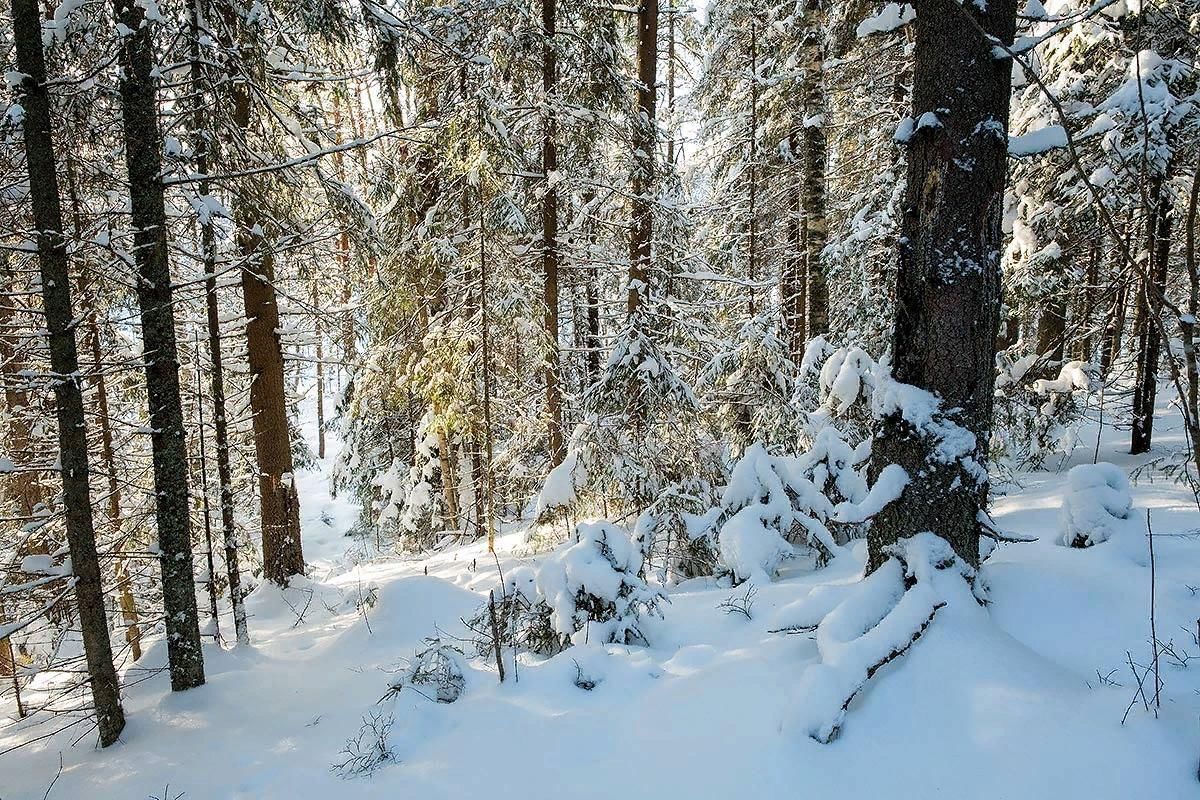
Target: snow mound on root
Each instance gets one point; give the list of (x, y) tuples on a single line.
[(873, 624)]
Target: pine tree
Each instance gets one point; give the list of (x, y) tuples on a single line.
[(60, 322), (948, 287)]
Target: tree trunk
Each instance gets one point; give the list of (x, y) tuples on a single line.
[(319, 335), (64, 361), (642, 230), (752, 173), (143, 148), (279, 505), (550, 236), (1154, 282), (1052, 328), (283, 555), (129, 614), (948, 286), (813, 196), (793, 283)]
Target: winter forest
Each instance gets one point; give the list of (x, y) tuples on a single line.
[(544, 399)]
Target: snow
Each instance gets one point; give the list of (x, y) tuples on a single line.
[(889, 18), (1095, 505), (1022, 698), (1036, 142)]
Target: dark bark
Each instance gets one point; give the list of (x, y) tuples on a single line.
[(642, 205), (813, 161), (752, 176), (793, 283), (948, 285), (1052, 328), (550, 236), (1154, 281), (229, 535), (143, 148), (64, 361)]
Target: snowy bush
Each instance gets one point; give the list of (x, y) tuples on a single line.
[(588, 590), (369, 750), (1038, 418), (435, 672), (674, 532), (637, 437), (1096, 499), (769, 498), (749, 385)]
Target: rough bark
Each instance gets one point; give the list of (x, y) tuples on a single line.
[(948, 285), (64, 361), (143, 148), (642, 205), (550, 236), (279, 505)]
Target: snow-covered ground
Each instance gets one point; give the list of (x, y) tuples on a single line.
[(1023, 699)]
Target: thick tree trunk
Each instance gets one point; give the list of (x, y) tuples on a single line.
[(279, 504), (642, 230), (948, 286), (64, 361), (143, 148), (1154, 281), (550, 236)]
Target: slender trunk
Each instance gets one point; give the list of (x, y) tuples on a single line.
[(948, 285), (229, 536), (793, 284), (644, 135), (129, 614), (486, 356), (143, 148), (283, 555), (349, 344), (22, 489), (550, 235), (1154, 281), (320, 345), (591, 299), (205, 510), (1187, 322), (671, 12), (813, 197), (64, 362), (752, 176), (449, 490)]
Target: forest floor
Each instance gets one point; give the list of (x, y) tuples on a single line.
[(1027, 700)]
